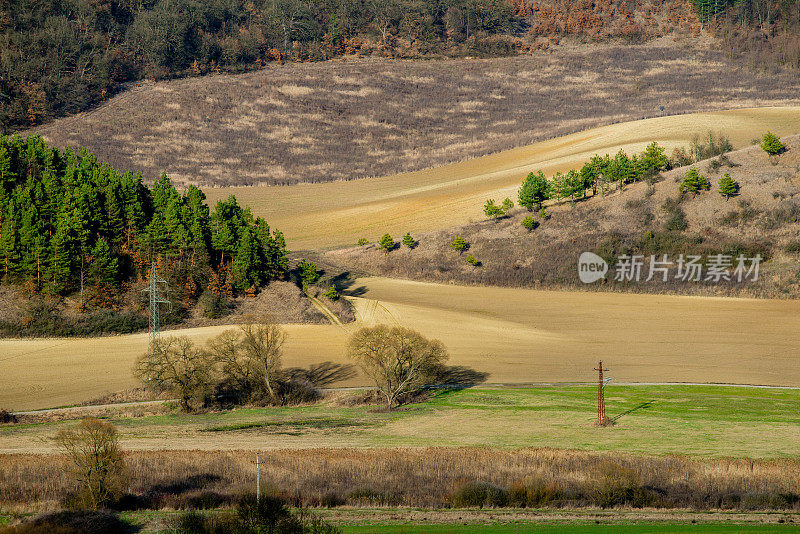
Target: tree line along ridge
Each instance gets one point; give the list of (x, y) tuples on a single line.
[(69, 221)]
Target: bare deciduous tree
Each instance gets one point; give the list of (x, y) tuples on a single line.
[(398, 359), (97, 461), (262, 343), (177, 365)]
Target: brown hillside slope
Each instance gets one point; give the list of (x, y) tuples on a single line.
[(339, 213), (763, 218), (353, 118)]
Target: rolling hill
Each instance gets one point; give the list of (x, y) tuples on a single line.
[(369, 117)]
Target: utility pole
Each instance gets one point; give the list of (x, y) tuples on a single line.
[(157, 285), (258, 479), (602, 420)]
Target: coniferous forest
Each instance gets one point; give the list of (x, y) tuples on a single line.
[(72, 225)]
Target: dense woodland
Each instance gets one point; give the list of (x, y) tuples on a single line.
[(69, 221), (58, 57)]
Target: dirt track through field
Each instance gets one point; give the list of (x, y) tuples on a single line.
[(339, 213), (517, 336)]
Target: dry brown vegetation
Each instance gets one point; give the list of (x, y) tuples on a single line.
[(367, 117), (763, 218), (427, 477)]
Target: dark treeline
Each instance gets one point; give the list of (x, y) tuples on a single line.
[(765, 33), (69, 221), (58, 57), (61, 56)]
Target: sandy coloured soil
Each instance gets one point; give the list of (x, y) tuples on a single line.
[(339, 213), (517, 336)]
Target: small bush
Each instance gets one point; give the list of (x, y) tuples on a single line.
[(41, 319), (362, 241), (479, 494), (534, 492), (370, 497), (213, 306), (7, 417), (676, 217), (793, 247), (253, 516), (472, 260), (296, 391)]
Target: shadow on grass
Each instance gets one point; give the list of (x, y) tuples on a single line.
[(642, 406)]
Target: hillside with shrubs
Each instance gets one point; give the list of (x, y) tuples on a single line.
[(702, 200)]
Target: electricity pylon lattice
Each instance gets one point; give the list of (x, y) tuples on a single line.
[(157, 286)]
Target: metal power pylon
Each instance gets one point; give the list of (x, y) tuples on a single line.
[(157, 286)]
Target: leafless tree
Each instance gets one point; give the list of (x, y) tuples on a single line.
[(262, 343), (398, 359), (96, 461), (175, 364)]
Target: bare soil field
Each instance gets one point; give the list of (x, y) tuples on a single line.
[(334, 214), (353, 118), (516, 336), (763, 216)]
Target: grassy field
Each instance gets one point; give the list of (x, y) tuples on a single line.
[(332, 214), (695, 420), (516, 336)]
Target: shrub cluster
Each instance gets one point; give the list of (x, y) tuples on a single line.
[(253, 516), (43, 320)]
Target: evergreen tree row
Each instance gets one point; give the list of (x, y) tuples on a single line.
[(600, 172), (69, 221)]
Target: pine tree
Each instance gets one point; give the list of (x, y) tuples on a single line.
[(104, 268), (492, 210), (9, 242), (307, 272), (409, 241), (459, 244), (694, 182), (771, 144), (529, 223), (65, 252), (244, 267), (653, 159), (386, 243), (534, 191), (727, 186)]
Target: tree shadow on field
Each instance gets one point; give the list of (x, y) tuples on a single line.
[(345, 281), (459, 377), (323, 374)]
